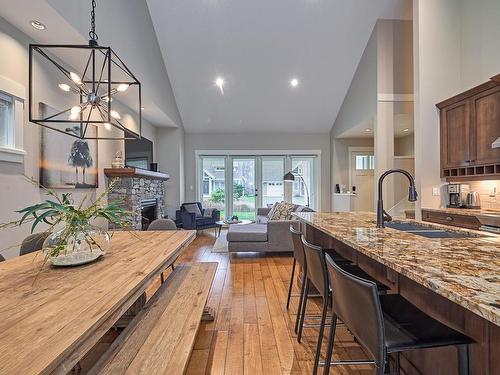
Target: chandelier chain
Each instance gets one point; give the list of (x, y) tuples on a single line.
[(92, 33)]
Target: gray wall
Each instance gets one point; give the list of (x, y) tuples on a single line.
[(252, 141), (170, 158), (340, 158)]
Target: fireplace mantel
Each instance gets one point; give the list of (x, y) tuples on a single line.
[(135, 173)]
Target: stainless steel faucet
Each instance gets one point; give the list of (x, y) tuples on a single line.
[(383, 216)]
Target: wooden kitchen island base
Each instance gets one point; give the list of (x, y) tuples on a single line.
[(485, 353)]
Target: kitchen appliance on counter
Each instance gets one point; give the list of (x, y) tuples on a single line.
[(457, 195), (473, 200)]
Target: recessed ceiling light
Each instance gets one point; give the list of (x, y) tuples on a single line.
[(294, 82), (219, 82), (142, 108), (37, 25), (406, 130), (368, 130), (107, 125)]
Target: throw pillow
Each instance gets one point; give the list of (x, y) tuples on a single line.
[(271, 211), (193, 209), (282, 211)]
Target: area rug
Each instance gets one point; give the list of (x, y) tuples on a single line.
[(220, 245)]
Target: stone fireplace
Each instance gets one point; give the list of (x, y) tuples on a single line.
[(141, 192)]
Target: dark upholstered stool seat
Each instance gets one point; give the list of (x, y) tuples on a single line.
[(407, 327)]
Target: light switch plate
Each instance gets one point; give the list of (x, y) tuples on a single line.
[(435, 192)]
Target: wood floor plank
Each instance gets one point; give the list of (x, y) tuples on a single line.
[(269, 352), (252, 361), (234, 354)]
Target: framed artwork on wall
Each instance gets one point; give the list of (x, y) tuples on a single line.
[(67, 162)]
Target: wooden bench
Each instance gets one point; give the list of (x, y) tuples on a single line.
[(159, 340)]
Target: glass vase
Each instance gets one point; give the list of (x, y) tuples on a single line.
[(76, 246)]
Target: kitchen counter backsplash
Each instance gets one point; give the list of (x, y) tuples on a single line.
[(489, 192)]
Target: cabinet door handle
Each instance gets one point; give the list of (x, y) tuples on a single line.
[(449, 218)]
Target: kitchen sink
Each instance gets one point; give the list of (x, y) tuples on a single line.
[(426, 231)]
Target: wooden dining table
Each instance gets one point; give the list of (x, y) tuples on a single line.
[(51, 317)]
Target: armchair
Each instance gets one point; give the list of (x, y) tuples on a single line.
[(192, 216)]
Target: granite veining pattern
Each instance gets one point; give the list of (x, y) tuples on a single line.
[(463, 270)]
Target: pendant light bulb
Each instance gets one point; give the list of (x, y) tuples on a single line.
[(75, 78), (76, 110), (122, 87), (73, 116), (115, 115), (107, 126), (64, 87)]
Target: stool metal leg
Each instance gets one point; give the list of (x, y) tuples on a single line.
[(331, 340), (320, 336), (301, 301), (303, 310), (291, 284), (463, 359)]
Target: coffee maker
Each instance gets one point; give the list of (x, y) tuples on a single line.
[(457, 195)]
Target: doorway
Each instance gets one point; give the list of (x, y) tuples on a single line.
[(244, 190), (361, 177)]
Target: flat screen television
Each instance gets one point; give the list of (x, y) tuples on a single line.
[(138, 153)]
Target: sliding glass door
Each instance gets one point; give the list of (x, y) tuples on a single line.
[(238, 184), (213, 183), (244, 192), (271, 186)]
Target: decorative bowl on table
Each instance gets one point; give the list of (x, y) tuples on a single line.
[(232, 221), (82, 247)]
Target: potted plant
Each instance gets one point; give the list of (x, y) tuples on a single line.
[(74, 238)]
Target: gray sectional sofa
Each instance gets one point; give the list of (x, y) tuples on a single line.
[(263, 235)]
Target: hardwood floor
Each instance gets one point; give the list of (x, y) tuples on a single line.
[(253, 333)]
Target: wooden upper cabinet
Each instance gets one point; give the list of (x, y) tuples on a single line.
[(470, 122), (455, 128), (486, 126)]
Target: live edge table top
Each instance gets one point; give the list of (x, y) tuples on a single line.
[(47, 324), (463, 270)]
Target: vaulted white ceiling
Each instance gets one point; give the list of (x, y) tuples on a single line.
[(257, 47), (179, 47)]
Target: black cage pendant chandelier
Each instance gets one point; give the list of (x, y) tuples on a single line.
[(85, 91)]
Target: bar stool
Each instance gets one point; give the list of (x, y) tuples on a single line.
[(317, 274), (299, 257), (385, 324)]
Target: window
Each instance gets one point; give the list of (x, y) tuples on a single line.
[(238, 184), (273, 170), (213, 183), (303, 169), (12, 97), (365, 162), (7, 124)]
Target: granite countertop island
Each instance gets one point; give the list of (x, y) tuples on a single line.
[(463, 270)]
